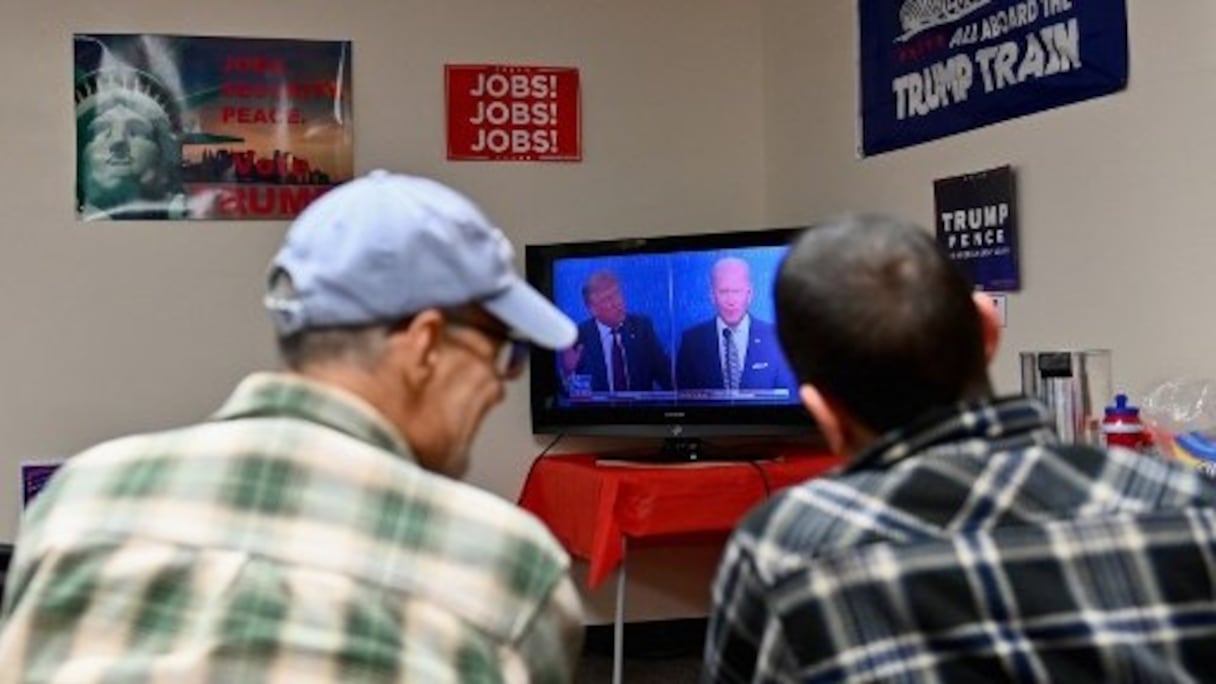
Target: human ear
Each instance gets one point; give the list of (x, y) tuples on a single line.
[(990, 323), (826, 417), (415, 348)]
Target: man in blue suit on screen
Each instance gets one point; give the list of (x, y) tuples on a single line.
[(619, 351), (734, 350)]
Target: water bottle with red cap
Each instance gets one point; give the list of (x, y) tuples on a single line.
[(1122, 427)]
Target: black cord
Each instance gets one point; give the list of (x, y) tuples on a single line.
[(707, 451), (551, 445), (536, 460), (768, 486)]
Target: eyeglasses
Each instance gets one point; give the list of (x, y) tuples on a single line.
[(513, 352)]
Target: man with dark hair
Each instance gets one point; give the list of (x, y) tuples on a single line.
[(962, 541), (311, 531), (883, 323), (618, 351)]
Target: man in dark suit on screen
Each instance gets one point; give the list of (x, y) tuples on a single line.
[(619, 351), (734, 350)]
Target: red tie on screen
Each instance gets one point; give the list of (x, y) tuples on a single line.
[(620, 377)]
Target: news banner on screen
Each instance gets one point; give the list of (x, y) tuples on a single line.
[(670, 311)]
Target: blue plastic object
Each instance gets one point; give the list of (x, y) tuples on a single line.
[(1122, 409)]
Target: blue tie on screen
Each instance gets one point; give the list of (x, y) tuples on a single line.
[(731, 376), (620, 377)]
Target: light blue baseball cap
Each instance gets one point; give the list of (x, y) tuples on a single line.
[(385, 246)]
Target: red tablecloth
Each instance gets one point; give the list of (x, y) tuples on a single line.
[(590, 507)]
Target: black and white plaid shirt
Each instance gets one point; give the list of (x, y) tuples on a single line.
[(973, 547)]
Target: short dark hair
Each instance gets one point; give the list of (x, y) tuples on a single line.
[(877, 317)]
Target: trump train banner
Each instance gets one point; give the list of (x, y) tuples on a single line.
[(185, 127), (932, 68)]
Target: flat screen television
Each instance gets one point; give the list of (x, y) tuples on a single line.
[(658, 321)]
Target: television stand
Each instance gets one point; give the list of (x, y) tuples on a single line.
[(695, 449), (680, 449)]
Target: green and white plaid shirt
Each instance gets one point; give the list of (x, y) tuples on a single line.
[(292, 538)]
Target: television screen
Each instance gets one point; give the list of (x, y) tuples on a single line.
[(676, 337)]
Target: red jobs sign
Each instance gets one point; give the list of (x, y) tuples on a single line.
[(513, 113)]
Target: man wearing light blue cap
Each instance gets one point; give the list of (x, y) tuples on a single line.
[(310, 531)]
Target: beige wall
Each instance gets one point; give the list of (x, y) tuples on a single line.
[(1116, 199), (112, 329)]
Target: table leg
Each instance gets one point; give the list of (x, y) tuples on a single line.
[(618, 625)]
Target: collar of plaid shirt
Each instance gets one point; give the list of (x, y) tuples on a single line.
[(281, 394), (1010, 418)]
